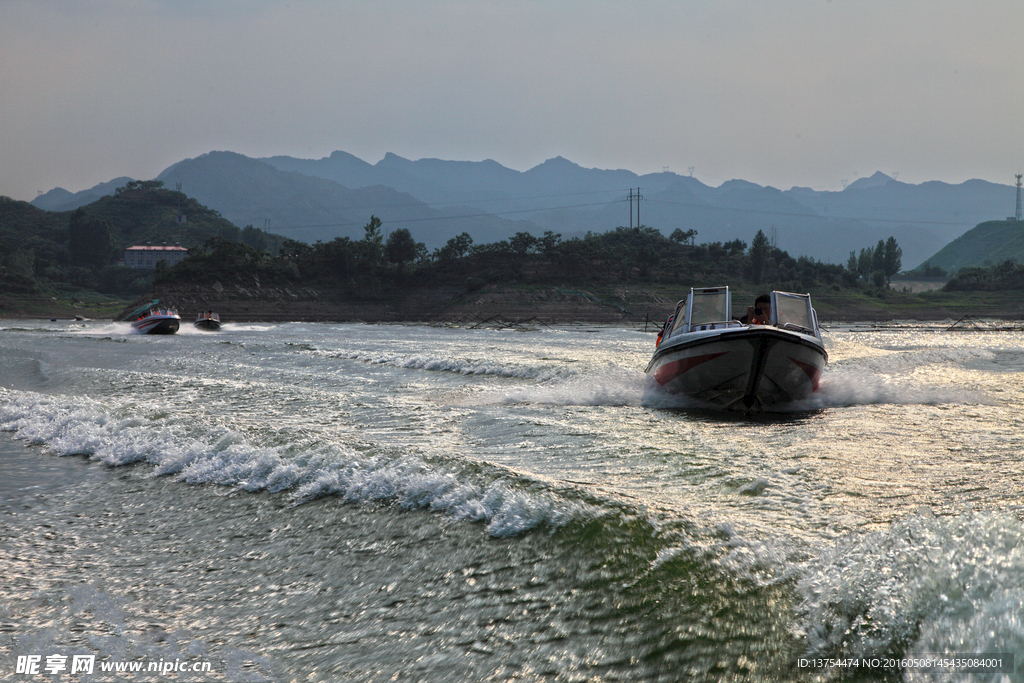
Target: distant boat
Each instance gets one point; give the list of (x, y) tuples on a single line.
[(158, 321), (208, 321), (706, 354), (81, 318)]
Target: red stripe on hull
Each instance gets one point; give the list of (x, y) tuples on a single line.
[(669, 371), (813, 372)]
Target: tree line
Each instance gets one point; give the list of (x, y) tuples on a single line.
[(879, 263), (80, 249), (1001, 277), (382, 262)]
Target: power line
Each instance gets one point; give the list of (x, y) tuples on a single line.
[(808, 215), (435, 205)]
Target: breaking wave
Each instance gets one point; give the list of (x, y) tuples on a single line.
[(926, 585), (506, 503)]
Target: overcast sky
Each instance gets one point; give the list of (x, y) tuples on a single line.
[(780, 93)]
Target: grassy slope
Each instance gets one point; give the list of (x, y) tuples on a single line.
[(988, 243)]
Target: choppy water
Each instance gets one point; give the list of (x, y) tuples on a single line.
[(308, 502)]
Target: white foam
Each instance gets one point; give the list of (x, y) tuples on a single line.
[(217, 456), (106, 330), (853, 386), (611, 385), (927, 584), (461, 366)]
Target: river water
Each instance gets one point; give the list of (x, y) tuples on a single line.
[(307, 502)]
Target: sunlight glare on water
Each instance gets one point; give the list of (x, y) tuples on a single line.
[(529, 504)]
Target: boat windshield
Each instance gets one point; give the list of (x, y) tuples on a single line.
[(709, 305), (707, 308), (794, 311)]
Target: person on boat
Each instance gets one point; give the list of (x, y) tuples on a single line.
[(760, 313)]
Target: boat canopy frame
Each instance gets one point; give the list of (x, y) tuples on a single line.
[(791, 311), (710, 308), (704, 308)]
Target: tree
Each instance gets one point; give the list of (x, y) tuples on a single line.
[(864, 262), (893, 259), (737, 246), (17, 263), (401, 248), (90, 239), (522, 243), (140, 185), (293, 250), (338, 257), (373, 243), (758, 256), (548, 242), (456, 248), (851, 265), (878, 258), (681, 237), (255, 238)]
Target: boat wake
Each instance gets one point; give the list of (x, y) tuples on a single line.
[(847, 387), (617, 386), (925, 585), (612, 385), (507, 503), (456, 365)]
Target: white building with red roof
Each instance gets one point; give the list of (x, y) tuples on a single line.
[(148, 256)]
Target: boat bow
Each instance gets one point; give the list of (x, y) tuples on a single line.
[(729, 363)]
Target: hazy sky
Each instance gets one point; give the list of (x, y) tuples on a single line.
[(781, 93)]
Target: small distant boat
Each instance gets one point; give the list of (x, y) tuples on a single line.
[(208, 321), (158, 321), (81, 318), (706, 354)]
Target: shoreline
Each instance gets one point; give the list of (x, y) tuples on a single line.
[(508, 306)]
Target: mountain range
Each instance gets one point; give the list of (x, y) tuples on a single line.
[(320, 199)]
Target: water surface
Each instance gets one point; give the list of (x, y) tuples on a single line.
[(383, 502)]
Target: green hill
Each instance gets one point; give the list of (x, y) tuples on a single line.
[(49, 252), (986, 244)]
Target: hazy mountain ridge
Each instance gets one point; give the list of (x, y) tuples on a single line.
[(311, 199), (59, 199), (824, 225), (309, 208), (946, 210)]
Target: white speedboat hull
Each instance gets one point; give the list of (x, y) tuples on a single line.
[(745, 368), (158, 323), (209, 323)]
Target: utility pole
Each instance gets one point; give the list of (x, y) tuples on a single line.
[(631, 208), (638, 198), (1019, 217)]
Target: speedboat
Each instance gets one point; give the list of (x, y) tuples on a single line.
[(706, 354), (209, 321), (157, 321)]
